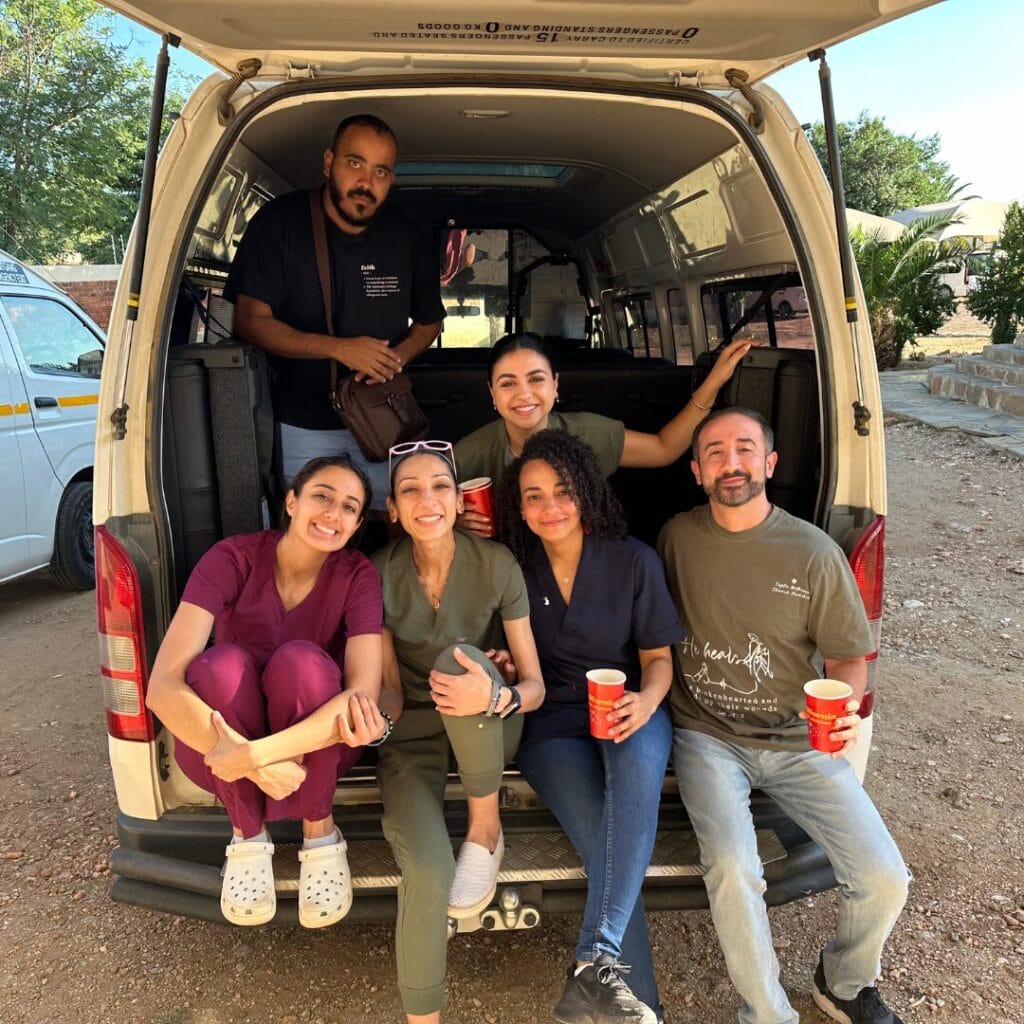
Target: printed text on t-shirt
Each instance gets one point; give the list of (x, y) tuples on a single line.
[(377, 286)]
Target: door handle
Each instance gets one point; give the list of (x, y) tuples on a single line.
[(44, 402)]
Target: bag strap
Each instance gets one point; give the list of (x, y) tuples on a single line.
[(323, 266)]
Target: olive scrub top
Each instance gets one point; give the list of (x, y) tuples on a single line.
[(485, 588), (485, 452)]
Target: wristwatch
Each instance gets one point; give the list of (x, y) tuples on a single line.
[(514, 704)]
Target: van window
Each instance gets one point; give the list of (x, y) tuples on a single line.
[(552, 305), (474, 286), (680, 319), (547, 284), (771, 309), (51, 337), (636, 317)]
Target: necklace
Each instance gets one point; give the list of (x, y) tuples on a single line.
[(434, 593), (567, 577)]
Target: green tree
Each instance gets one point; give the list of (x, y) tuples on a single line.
[(998, 298), (901, 283), (74, 113), (883, 171)]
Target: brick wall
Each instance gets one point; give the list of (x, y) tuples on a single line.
[(95, 297)]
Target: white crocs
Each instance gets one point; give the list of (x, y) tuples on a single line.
[(247, 895), (325, 884), (476, 879)]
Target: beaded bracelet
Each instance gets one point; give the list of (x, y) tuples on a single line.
[(389, 724)]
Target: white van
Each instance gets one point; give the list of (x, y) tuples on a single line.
[(631, 190), (957, 284), (50, 357)]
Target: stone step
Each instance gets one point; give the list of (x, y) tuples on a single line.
[(949, 382), (1005, 373), (1005, 353)]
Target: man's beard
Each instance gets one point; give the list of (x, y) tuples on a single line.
[(734, 496), (337, 199)]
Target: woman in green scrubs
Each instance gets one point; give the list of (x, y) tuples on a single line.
[(524, 389), (452, 602)]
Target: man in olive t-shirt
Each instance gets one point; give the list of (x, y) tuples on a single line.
[(762, 596)]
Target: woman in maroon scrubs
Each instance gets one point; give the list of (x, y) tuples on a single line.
[(269, 716)]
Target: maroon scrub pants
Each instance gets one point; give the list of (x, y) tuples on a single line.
[(299, 678)]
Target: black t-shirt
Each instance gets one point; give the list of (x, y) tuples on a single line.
[(380, 280)]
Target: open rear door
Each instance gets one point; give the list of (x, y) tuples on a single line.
[(642, 37)]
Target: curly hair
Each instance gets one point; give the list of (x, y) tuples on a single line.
[(576, 465)]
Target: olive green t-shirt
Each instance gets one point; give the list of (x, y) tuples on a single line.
[(485, 587), (760, 608), (485, 452)]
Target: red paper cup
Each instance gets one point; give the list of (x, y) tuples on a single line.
[(604, 687), (477, 496), (826, 701)]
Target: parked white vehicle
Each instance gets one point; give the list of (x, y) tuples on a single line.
[(50, 357), (959, 283), (637, 194)]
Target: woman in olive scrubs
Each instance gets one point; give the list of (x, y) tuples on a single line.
[(452, 601), (524, 388)]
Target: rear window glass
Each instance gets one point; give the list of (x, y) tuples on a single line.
[(680, 319), (474, 286), (636, 317), (773, 310)]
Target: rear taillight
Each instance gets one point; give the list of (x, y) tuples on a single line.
[(122, 650), (867, 560)]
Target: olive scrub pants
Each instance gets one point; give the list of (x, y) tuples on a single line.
[(412, 770)]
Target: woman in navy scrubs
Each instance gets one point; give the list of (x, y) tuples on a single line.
[(598, 599)]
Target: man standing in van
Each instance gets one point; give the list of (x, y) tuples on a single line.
[(761, 594), (385, 285)]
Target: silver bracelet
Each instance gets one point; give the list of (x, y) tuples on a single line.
[(495, 698)]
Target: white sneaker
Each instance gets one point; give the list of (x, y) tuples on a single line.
[(476, 879)]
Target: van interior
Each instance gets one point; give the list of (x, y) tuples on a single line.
[(637, 235)]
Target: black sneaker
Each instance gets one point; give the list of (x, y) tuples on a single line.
[(598, 995), (866, 1007)]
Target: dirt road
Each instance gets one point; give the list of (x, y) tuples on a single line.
[(947, 773)]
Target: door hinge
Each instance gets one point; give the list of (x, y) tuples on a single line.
[(681, 79), (307, 71)]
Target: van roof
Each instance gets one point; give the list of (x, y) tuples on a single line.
[(645, 38)]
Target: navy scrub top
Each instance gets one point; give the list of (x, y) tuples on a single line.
[(619, 605)]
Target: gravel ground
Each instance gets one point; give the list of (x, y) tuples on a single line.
[(946, 772), (961, 334)]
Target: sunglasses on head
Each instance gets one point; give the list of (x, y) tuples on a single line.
[(400, 451)]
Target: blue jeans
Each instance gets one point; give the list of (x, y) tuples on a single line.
[(825, 799), (606, 795), (299, 445)]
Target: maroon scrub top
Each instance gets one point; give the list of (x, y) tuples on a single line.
[(234, 581)]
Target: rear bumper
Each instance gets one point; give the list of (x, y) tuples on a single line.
[(173, 866)]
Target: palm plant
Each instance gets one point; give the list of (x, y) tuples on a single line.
[(901, 282)]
